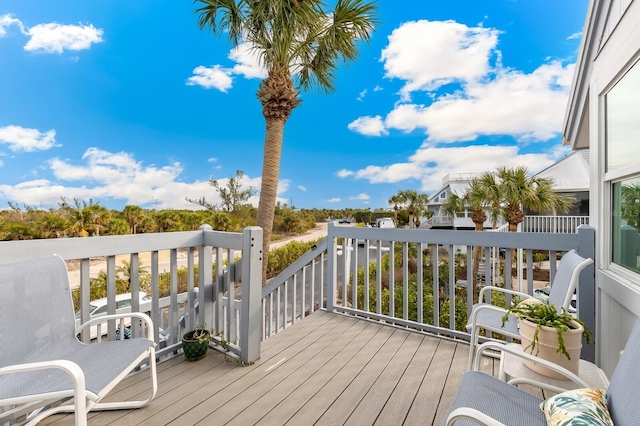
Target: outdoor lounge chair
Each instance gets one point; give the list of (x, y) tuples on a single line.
[(483, 399), (41, 359), (487, 316)]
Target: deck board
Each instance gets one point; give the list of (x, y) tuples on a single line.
[(325, 369)]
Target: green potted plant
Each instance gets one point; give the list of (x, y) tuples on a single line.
[(554, 336), (195, 343)]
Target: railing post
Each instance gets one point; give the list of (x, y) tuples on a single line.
[(587, 287), (332, 273), (251, 307), (205, 282)]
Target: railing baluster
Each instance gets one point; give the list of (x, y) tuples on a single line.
[(304, 293), (529, 271), (435, 264), (405, 280), (379, 277), (420, 286), (452, 288), (392, 280)]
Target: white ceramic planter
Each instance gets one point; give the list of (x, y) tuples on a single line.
[(548, 345)]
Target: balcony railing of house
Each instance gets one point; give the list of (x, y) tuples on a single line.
[(553, 224), (348, 272), (221, 303), (413, 294)]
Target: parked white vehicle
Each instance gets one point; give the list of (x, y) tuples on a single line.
[(385, 222), (98, 308)]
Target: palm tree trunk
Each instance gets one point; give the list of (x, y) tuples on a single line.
[(269, 186)]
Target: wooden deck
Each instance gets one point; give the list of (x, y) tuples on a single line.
[(326, 369)]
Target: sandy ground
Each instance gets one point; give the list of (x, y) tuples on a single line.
[(100, 264)]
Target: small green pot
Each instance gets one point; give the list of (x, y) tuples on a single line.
[(194, 349)]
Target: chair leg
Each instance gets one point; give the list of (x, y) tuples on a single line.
[(473, 344)]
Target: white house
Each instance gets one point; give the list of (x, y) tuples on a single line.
[(452, 184), (570, 177), (603, 116)]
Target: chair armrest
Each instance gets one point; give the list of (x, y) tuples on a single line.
[(502, 290), (140, 315), (502, 348), (467, 413), (474, 320)]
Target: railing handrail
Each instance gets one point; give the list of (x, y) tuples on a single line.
[(319, 249)]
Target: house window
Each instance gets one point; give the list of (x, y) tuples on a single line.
[(623, 126), (625, 223), (443, 195), (622, 163)]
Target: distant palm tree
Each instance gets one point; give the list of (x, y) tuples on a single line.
[(413, 200), (292, 39), (521, 191), (134, 215), (485, 191)]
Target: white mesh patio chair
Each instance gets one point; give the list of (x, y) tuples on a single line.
[(485, 400), (41, 359), (486, 316)]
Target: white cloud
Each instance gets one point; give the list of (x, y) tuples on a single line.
[(333, 200), (6, 21), (361, 95), (103, 175), (29, 140), (361, 197), (575, 35), (529, 107), (378, 88), (215, 77), (429, 164), (55, 38), (345, 173), (247, 65), (247, 62), (370, 126), (429, 54), (212, 160), (302, 188)]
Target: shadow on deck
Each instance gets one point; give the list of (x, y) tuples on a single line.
[(327, 369)]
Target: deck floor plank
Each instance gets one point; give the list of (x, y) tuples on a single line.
[(386, 383), (325, 369), (405, 394)]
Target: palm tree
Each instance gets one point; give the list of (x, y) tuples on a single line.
[(485, 191), (413, 200), (474, 197), (293, 39), (134, 215), (520, 191)]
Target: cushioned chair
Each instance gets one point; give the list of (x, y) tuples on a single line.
[(486, 316), (41, 359), (483, 399)]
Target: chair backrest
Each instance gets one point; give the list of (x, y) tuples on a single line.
[(36, 311), (622, 395), (566, 279)]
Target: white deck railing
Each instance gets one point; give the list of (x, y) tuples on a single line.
[(338, 275), (553, 224), (232, 309), (414, 294)]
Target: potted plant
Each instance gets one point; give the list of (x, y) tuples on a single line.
[(195, 343), (554, 336)]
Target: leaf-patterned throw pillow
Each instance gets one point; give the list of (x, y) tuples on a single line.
[(585, 407)]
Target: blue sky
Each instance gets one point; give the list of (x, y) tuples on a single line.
[(130, 103)]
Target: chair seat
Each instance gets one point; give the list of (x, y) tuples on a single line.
[(101, 363), (491, 319), (498, 399)]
